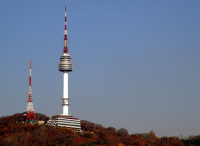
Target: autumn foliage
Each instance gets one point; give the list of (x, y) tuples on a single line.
[(14, 132)]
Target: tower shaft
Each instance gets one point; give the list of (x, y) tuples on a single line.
[(65, 84), (65, 98)]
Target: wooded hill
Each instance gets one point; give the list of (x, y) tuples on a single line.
[(14, 132)]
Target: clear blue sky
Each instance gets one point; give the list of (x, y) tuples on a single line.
[(136, 63)]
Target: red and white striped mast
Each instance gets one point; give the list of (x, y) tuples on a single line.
[(30, 88), (65, 50), (30, 112)]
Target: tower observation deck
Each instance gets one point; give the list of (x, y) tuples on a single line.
[(65, 64)]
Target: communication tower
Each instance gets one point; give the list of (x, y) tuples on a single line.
[(30, 112), (65, 66)]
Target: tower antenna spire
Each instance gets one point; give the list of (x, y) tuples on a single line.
[(65, 50)]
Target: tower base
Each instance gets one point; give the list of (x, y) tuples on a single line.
[(65, 121), (30, 117)]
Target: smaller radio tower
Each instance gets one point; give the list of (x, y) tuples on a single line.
[(30, 114)]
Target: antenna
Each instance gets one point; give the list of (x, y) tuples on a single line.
[(30, 114), (65, 50)]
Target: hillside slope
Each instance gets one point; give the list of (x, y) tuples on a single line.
[(14, 132)]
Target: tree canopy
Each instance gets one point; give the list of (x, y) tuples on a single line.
[(14, 132)]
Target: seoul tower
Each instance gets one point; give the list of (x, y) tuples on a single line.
[(65, 66), (30, 114), (65, 119)]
